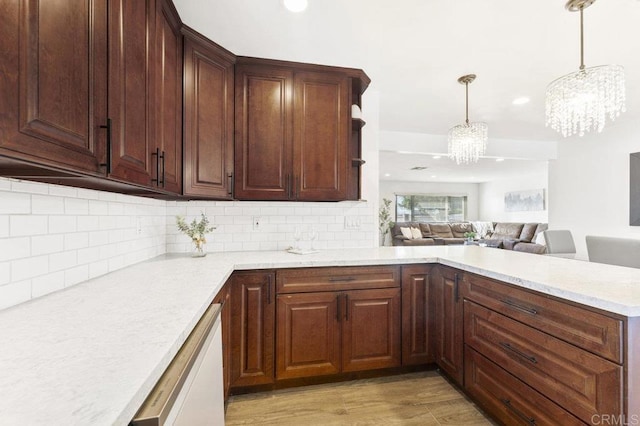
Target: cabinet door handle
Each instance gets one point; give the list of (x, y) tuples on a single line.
[(296, 182), (346, 307), (341, 279), (107, 164), (163, 168), (518, 352), (527, 419), (522, 308), (231, 183), (338, 308), (456, 285), (157, 178), (268, 289)]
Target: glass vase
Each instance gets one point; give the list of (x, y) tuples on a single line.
[(199, 248)]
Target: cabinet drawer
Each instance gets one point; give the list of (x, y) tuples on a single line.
[(579, 381), (509, 399), (337, 279), (589, 330)]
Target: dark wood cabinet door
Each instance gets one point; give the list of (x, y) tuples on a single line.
[(417, 315), (131, 65), (263, 141), (308, 335), (448, 322), (252, 326), (371, 329), (167, 172), (53, 85), (208, 118), (321, 132)]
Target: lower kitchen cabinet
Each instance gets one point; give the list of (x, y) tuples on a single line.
[(332, 332), (371, 329), (447, 306), (507, 398), (252, 328), (417, 315), (335, 320), (308, 335)]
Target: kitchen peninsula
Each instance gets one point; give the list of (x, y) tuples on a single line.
[(91, 354)]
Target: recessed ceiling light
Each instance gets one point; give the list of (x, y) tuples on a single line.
[(434, 176), (387, 174), (499, 159), (521, 100), (437, 157), (295, 5)]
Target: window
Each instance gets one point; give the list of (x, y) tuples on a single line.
[(431, 208)]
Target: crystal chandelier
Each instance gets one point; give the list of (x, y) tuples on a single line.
[(468, 141), (581, 101)]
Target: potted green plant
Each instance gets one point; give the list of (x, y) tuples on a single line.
[(196, 230), (470, 235)]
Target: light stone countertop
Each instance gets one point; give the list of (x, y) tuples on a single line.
[(90, 354)]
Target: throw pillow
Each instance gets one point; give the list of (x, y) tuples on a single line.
[(416, 233), (540, 239), (406, 232)]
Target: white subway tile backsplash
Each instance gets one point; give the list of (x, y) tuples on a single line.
[(28, 187), (14, 248), (76, 240), (22, 225), (76, 275), (46, 204), (29, 267), (62, 224), (53, 236), (4, 226), (45, 244), (14, 293), (63, 260), (14, 203), (76, 206), (5, 272), (47, 284)]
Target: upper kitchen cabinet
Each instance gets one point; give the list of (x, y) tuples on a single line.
[(92, 90), (208, 118), (168, 104), (53, 90), (293, 130)]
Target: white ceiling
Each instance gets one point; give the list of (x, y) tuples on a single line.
[(414, 51)]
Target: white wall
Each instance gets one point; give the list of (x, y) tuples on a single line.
[(389, 189), (491, 196), (590, 184)]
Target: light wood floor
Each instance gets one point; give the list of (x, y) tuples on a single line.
[(424, 398)]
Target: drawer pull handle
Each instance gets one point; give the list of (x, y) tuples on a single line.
[(529, 358), (341, 279), (529, 420), (524, 309)]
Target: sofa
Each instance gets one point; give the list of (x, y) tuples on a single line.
[(516, 236), (440, 233), (506, 235)]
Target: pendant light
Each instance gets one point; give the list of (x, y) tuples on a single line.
[(468, 141), (581, 101)]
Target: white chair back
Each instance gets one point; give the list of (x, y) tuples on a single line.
[(614, 251)]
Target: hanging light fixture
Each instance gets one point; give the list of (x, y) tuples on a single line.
[(468, 141), (581, 101)]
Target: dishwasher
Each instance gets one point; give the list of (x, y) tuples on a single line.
[(190, 392)]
